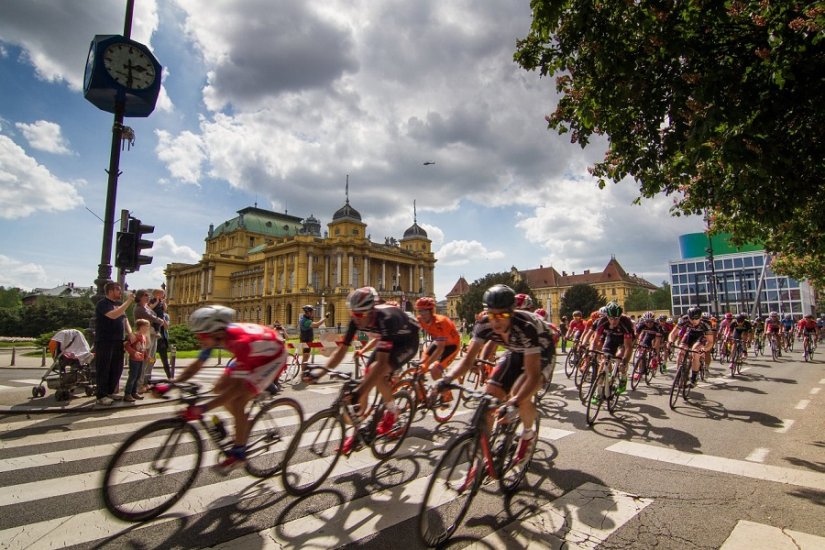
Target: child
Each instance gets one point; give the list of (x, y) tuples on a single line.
[(137, 352)]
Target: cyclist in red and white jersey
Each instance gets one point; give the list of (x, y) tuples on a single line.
[(773, 327), (259, 357), (807, 326)]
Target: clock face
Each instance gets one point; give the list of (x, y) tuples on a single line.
[(129, 66)]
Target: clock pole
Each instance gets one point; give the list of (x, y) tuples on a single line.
[(104, 270)]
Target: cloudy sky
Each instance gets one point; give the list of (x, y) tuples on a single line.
[(275, 102)]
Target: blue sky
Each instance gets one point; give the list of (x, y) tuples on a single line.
[(275, 102)]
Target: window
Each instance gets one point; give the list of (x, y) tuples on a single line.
[(728, 264), (748, 261), (682, 268), (674, 268), (757, 261), (737, 263), (691, 267), (612, 291)]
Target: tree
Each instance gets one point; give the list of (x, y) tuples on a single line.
[(584, 298), (471, 303), (717, 103), (11, 298), (639, 299), (661, 297)]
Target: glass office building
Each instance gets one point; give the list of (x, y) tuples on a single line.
[(738, 280)]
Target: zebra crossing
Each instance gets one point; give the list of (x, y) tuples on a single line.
[(51, 471)]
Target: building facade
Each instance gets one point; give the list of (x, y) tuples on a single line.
[(720, 277), (268, 265)]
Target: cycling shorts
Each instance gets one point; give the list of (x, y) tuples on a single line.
[(259, 378), (511, 366), (447, 355), (401, 352)]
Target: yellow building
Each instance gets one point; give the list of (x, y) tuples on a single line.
[(268, 265)]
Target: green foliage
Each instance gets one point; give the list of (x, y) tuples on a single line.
[(639, 299), (10, 298), (471, 304), (584, 298), (182, 338), (716, 103), (661, 297), (46, 315)]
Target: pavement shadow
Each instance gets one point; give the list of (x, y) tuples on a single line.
[(814, 466)]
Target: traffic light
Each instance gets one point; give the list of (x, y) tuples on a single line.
[(125, 251), (138, 230)]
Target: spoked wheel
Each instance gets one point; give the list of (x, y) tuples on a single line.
[(514, 469), (639, 369), (613, 388), (571, 362), (584, 380), (678, 382), (385, 445), (313, 453), (650, 372), (595, 398), (774, 351), (291, 372), (152, 470), (445, 407), (451, 489), (270, 434)]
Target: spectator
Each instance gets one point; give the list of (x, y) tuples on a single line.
[(158, 305), (563, 328), (137, 353), (279, 328), (111, 326), (143, 311), (306, 326)]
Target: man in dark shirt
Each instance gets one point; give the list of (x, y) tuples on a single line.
[(111, 325)]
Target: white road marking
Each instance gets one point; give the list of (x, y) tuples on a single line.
[(786, 425), (802, 404), (26, 381), (815, 391), (748, 535), (758, 455), (779, 474)]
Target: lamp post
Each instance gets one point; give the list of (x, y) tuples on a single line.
[(780, 283)]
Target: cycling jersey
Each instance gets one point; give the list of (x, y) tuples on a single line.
[(647, 334), (689, 333), (397, 333), (442, 329), (259, 354), (787, 324), (806, 325), (576, 328), (759, 326), (528, 335), (772, 325), (737, 330), (614, 336)]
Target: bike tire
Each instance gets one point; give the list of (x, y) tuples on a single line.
[(444, 411), (734, 357), (313, 453), (676, 387), (384, 446), (513, 472), (613, 398), (585, 380), (136, 490), (291, 371), (270, 434), (638, 371), (570, 363), (593, 408), (650, 373), (453, 484), (408, 386)]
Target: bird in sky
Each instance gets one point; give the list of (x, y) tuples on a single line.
[(429, 162)]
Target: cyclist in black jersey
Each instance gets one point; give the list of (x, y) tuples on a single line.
[(529, 356), (693, 333), (613, 332), (397, 343)]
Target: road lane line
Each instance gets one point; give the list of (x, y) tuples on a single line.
[(786, 425), (815, 391), (758, 455), (780, 474), (803, 403), (748, 535)]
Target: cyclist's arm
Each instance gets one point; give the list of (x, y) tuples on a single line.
[(195, 366), (468, 360)]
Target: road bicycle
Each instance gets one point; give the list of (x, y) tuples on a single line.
[(321, 437), (774, 345), (604, 388), (737, 357), (759, 344), (291, 372), (414, 382), (788, 339), (157, 464), (681, 379), (469, 459), (807, 347), (645, 364), (584, 374), (573, 358)]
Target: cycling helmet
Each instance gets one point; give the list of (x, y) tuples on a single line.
[(210, 319), (695, 313), (706, 316), (362, 299), (649, 316), (729, 315), (603, 311), (669, 320), (499, 297), (309, 308), (613, 310), (425, 303), (788, 316), (741, 317), (661, 318), (774, 314), (809, 316), (541, 312), (595, 314), (523, 301), (578, 313)]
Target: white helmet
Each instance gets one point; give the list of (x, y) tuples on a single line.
[(210, 319), (362, 299)]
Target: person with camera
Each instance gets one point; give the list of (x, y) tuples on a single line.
[(143, 310), (307, 326), (158, 304), (111, 328)]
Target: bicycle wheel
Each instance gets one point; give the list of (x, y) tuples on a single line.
[(678, 382), (774, 351), (650, 371), (384, 446), (734, 357), (453, 484), (408, 386), (152, 470), (443, 410), (514, 470), (613, 388), (292, 370), (595, 394), (544, 389), (585, 379), (313, 453), (270, 434), (571, 362), (639, 370)]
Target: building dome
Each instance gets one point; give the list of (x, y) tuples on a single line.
[(415, 231), (346, 211)]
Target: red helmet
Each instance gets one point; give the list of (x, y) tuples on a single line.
[(523, 301), (541, 313), (425, 303), (729, 315)]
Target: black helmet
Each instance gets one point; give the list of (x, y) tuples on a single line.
[(695, 313), (499, 297), (613, 310), (309, 308), (741, 317)]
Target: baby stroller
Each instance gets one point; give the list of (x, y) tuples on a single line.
[(73, 366)]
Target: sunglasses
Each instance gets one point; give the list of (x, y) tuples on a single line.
[(504, 315), (359, 314)]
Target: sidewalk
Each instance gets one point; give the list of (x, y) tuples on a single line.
[(20, 400)]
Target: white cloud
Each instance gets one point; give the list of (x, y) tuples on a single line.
[(166, 250), (465, 252), (183, 155), (17, 274), (45, 136), (27, 187)]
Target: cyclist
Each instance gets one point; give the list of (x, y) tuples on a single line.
[(649, 334), (260, 356), (787, 331), (772, 329), (446, 340), (614, 332), (397, 344), (820, 325), (759, 331), (576, 328), (741, 329), (528, 357), (807, 327), (694, 334)]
